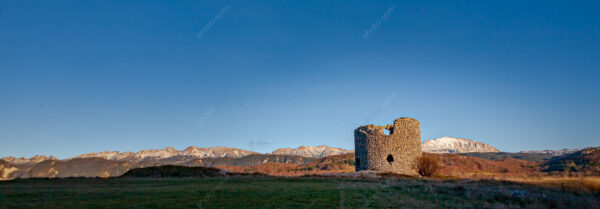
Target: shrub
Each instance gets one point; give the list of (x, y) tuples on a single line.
[(428, 165)]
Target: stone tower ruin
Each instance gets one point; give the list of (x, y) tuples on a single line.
[(396, 152)]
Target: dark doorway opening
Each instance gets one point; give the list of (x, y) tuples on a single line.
[(390, 158)]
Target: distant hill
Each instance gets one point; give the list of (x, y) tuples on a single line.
[(586, 161), (466, 166), (250, 160), (455, 145), (7, 170), (182, 171), (100, 167), (169, 152), (535, 157), (25, 161), (329, 164), (81, 167), (334, 162), (552, 152), (312, 151), (174, 171)]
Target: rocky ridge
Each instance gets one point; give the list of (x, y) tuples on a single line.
[(312, 151), (7, 170), (552, 152), (455, 145), (586, 160), (23, 161), (169, 152)]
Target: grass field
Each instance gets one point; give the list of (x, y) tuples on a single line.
[(587, 183), (263, 192)]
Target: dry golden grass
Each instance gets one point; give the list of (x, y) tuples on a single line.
[(586, 184)]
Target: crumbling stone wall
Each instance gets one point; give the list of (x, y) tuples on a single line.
[(397, 152)]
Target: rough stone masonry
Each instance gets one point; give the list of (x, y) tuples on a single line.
[(396, 152)]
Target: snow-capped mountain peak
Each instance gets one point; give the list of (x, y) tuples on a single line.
[(168, 152), (312, 151), (216, 152), (455, 145)]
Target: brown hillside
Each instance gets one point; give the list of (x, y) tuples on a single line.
[(463, 166), (451, 165), (330, 164), (586, 161), (79, 167)]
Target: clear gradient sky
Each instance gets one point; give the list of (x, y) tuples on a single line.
[(89, 76)]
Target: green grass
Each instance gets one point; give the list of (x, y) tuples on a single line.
[(260, 192)]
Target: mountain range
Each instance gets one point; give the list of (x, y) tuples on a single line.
[(439, 145), (455, 145), (552, 152), (115, 163), (312, 151), (24, 161), (169, 152)]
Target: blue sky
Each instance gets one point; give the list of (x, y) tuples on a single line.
[(89, 76)]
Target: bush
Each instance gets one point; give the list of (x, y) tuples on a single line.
[(428, 165)]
